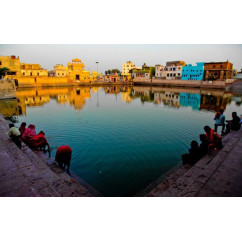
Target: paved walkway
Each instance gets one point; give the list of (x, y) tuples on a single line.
[(218, 174), (26, 174)]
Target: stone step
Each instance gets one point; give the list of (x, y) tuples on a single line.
[(194, 179), (176, 174), (72, 178)]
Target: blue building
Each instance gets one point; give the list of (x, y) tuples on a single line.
[(190, 72)]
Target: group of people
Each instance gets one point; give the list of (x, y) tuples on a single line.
[(211, 139), (233, 124), (28, 136), (38, 141)]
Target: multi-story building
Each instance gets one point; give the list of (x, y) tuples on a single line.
[(190, 72), (159, 71), (145, 72), (174, 69), (12, 63), (60, 70), (33, 70), (126, 67), (218, 70), (77, 71)]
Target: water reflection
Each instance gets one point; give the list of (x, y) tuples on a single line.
[(76, 97)]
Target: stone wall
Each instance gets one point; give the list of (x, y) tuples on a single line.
[(7, 89)]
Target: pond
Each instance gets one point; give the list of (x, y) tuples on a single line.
[(122, 138)]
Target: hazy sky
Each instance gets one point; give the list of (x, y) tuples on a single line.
[(112, 56)]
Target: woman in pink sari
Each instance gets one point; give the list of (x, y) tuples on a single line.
[(29, 134)]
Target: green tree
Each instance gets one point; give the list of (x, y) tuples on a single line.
[(3, 71)]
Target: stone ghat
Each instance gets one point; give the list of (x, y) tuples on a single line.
[(23, 173), (218, 174)]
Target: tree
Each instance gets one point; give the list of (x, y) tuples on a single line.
[(3, 71)]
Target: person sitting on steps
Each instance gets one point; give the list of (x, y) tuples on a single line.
[(219, 120), (214, 140), (233, 124), (15, 135)]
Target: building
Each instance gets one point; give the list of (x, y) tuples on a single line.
[(12, 63), (218, 70), (239, 75), (33, 70), (77, 71), (190, 72), (173, 69), (60, 70), (126, 67), (146, 72), (159, 71)]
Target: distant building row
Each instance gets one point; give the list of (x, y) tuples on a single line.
[(74, 70), (202, 71), (181, 70)]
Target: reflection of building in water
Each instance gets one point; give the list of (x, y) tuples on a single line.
[(190, 99), (212, 102), (38, 97), (171, 99), (37, 100), (9, 107), (75, 97), (238, 100), (126, 94)]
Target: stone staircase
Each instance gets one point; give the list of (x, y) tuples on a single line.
[(25, 173), (216, 174)]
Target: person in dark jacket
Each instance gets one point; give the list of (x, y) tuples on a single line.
[(194, 154), (233, 124), (204, 145)]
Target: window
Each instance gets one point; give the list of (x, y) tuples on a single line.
[(38, 74), (0, 63), (221, 66), (214, 66), (23, 74)]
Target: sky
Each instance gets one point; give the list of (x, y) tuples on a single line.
[(112, 56)]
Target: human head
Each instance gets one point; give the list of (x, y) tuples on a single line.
[(203, 137), (31, 126), (11, 125), (207, 129), (234, 114), (42, 132), (23, 124), (194, 144), (221, 111)]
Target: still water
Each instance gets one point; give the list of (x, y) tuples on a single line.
[(122, 138)]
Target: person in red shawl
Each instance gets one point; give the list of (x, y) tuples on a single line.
[(29, 134), (63, 157), (35, 141), (214, 140)]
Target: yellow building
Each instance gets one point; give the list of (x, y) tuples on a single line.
[(61, 70), (12, 63), (33, 70), (77, 71)]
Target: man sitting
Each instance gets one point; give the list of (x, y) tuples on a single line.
[(219, 120), (15, 135), (233, 124)]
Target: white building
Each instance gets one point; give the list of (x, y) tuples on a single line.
[(126, 67), (172, 70)]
